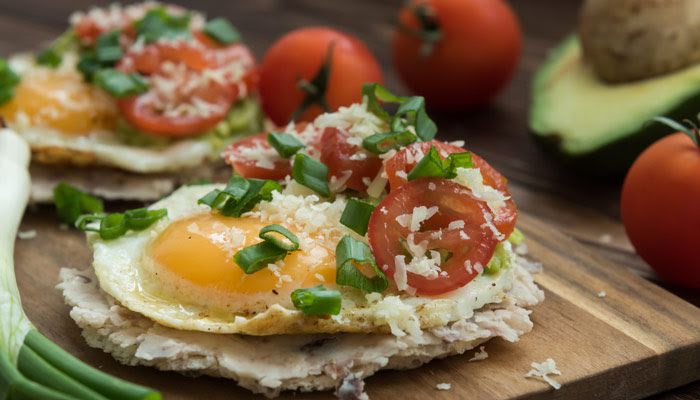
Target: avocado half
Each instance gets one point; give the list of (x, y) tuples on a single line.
[(599, 127)]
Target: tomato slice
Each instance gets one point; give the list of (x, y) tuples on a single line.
[(240, 156), (464, 249), (405, 159), (177, 107), (341, 157)]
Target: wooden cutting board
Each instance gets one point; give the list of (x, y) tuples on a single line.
[(636, 341)]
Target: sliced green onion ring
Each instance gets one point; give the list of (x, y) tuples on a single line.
[(222, 31), (434, 166), (240, 195), (113, 226), (256, 257), (71, 203), (120, 84), (311, 173), (83, 222), (286, 145), (317, 300), (381, 143), (141, 218), (270, 232), (349, 254), (356, 215)]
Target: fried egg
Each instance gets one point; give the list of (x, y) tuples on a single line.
[(68, 121), (181, 273)]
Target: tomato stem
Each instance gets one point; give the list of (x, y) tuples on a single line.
[(690, 129), (429, 32), (315, 89)]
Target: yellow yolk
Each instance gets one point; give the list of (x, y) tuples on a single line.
[(61, 100), (200, 250)]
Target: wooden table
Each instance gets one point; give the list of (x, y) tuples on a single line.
[(585, 209)]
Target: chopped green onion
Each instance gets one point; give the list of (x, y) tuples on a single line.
[(8, 80), (240, 195), (350, 254), (83, 223), (381, 143), (285, 144), (71, 203), (268, 234), (222, 31), (434, 166), (317, 300), (141, 218), (356, 215), (157, 24), (119, 84), (88, 65), (412, 109), (113, 226), (516, 237), (107, 48), (199, 182), (311, 173), (256, 257), (49, 58)]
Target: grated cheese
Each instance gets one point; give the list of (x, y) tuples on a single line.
[(472, 179), (443, 386), (26, 235), (543, 370), (602, 294), (414, 220)]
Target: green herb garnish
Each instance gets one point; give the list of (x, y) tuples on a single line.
[(317, 300), (349, 255), (120, 84), (8, 80), (272, 249), (107, 48), (356, 215), (240, 195), (222, 31), (158, 24), (311, 173), (286, 145), (71, 203), (115, 225), (434, 166)]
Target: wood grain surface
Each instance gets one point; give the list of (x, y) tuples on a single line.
[(636, 341), (583, 209)]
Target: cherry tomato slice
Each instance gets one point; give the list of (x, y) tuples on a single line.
[(167, 109), (239, 156), (341, 157), (466, 248), (403, 162)]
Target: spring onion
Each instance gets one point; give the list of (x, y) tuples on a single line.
[(120, 84), (272, 249), (158, 23), (71, 203), (270, 234), (356, 215), (317, 300), (107, 47), (380, 143), (434, 166), (222, 31), (52, 56), (411, 111), (351, 254), (31, 366), (240, 195), (116, 225), (285, 144), (311, 173), (8, 80)]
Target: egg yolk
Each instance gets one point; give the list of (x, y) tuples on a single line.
[(200, 250), (60, 100)]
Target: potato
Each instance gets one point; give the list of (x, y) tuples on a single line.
[(627, 40)]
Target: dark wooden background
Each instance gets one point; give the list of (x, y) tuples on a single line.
[(582, 208)]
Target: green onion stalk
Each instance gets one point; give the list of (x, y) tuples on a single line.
[(31, 366)]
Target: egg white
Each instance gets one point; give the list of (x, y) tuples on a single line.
[(123, 273)]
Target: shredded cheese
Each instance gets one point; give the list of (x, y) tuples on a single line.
[(543, 370)]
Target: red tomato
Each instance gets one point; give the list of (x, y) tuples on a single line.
[(146, 111), (235, 155), (387, 237), (337, 154), (299, 55), (660, 210), (473, 59), (399, 165)]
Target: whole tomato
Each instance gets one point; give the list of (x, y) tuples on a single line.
[(320, 66), (456, 53), (661, 208)]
